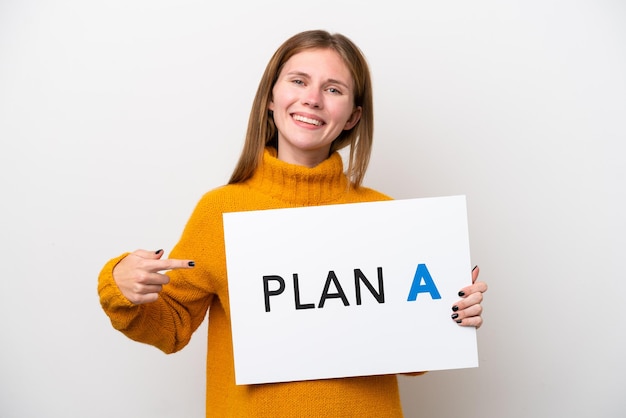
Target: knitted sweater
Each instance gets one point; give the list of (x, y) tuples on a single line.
[(169, 322)]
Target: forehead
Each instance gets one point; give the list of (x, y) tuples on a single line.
[(322, 63)]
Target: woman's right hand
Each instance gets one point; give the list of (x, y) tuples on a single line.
[(140, 277)]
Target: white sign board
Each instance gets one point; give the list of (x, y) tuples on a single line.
[(348, 290)]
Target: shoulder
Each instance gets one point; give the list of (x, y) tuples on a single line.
[(207, 213), (218, 194), (226, 198)]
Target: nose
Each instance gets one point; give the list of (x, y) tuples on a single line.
[(312, 98)]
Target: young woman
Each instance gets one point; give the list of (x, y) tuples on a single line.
[(314, 98)]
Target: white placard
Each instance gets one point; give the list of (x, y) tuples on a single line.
[(348, 290)]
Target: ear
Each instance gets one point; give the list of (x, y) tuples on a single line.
[(354, 118)]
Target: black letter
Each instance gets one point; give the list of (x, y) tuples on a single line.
[(339, 294), (296, 290), (380, 295), (268, 293)]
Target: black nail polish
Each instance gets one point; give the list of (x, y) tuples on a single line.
[(458, 321), (455, 308), (455, 315), (191, 264), (461, 293), (158, 251), (475, 267)]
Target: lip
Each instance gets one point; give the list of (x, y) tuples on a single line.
[(297, 117)]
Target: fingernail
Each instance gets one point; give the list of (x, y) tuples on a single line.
[(158, 251), (455, 315), (461, 293), (475, 267), (458, 321), (455, 308), (191, 264)]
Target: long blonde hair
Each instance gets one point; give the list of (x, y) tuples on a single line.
[(262, 131)]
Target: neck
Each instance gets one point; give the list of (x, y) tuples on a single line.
[(298, 184), (309, 159)]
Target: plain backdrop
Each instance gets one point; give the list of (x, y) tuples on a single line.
[(116, 116)]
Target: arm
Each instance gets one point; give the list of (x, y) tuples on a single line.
[(163, 301), (137, 297)]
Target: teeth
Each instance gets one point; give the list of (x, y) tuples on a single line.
[(307, 120)]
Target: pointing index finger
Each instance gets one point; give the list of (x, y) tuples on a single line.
[(175, 264)]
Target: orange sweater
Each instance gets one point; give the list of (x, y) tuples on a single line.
[(169, 322)]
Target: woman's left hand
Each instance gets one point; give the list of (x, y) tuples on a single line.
[(467, 311)]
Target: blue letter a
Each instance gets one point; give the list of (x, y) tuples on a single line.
[(428, 287)]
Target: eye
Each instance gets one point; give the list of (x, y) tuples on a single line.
[(334, 90), (297, 81)]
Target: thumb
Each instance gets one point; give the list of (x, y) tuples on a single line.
[(475, 272)]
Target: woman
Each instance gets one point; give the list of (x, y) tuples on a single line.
[(313, 99)]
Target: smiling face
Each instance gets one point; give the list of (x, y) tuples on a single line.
[(312, 102)]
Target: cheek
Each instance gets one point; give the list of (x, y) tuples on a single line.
[(280, 98), (346, 115)]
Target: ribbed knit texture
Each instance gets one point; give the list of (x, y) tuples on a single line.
[(169, 322)]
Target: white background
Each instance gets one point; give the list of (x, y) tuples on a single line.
[(116, 116)]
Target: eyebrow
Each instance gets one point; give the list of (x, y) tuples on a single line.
[(330, 80)]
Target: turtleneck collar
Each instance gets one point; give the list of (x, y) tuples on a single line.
[(299, 185)]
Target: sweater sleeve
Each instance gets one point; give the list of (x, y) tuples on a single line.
[(119, 309), (169, 322)]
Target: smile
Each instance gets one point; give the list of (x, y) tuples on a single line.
[(310, 121)]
